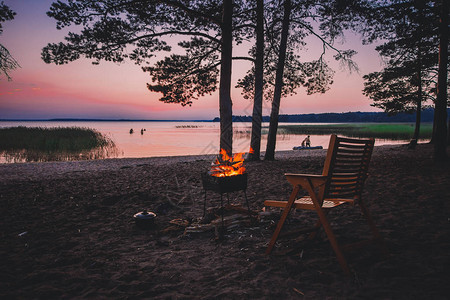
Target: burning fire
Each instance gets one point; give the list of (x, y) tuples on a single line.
[(224, 165)]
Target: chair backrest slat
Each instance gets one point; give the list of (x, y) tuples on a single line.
[(346, 167)]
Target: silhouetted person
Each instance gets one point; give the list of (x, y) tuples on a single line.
[(131, 130), (306, 142)]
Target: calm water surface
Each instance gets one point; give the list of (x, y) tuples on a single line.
[(178, 138)]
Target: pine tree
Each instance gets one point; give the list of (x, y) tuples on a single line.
[(408, 79), (116, 30), (7, 62), (288, 23)]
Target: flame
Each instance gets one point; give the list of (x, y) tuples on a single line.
[(224, 165), (251, 150)]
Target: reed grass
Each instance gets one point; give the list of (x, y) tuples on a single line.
[(49, 144), (394, 131)]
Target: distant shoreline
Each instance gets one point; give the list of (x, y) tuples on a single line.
[(346, 117), (97, 120)]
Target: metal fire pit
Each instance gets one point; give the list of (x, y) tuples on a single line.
[(226, 184)]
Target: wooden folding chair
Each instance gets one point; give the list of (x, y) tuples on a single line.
[(341, 182)]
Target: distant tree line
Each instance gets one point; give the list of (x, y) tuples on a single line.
[(348, 117)]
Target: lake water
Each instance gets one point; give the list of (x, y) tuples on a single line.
[(177, 138)]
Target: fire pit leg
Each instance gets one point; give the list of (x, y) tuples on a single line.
[(246, 200), (204, 206), (221, 208)]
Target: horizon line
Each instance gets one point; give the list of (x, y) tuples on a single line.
[(214, 119), (101, 120)]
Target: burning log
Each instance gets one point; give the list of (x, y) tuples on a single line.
[(227, 174), (225, 166)]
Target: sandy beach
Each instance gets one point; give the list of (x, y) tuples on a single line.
[(67, 232)]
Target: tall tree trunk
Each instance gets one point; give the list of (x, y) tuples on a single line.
[(419, 100), (225, 103), (440, 142), (273, 127), (448, 131), (418, 118), (433, 132), (415, 138), (255, 142)]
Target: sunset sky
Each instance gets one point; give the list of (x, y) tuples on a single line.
[(118, 91)]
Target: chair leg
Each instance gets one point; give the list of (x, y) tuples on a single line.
[(326, 226), (376, 234), (333, 240), (280, 224), (313, 234)]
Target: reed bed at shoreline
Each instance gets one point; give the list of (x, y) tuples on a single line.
[(390, 131), (37, 144), (60, 143), (362, 130)]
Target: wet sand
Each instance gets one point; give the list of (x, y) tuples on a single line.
[(67, 231)]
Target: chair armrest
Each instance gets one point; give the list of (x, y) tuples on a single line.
[(305, 179)]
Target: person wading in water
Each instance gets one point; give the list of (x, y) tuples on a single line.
[(306, 142)]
